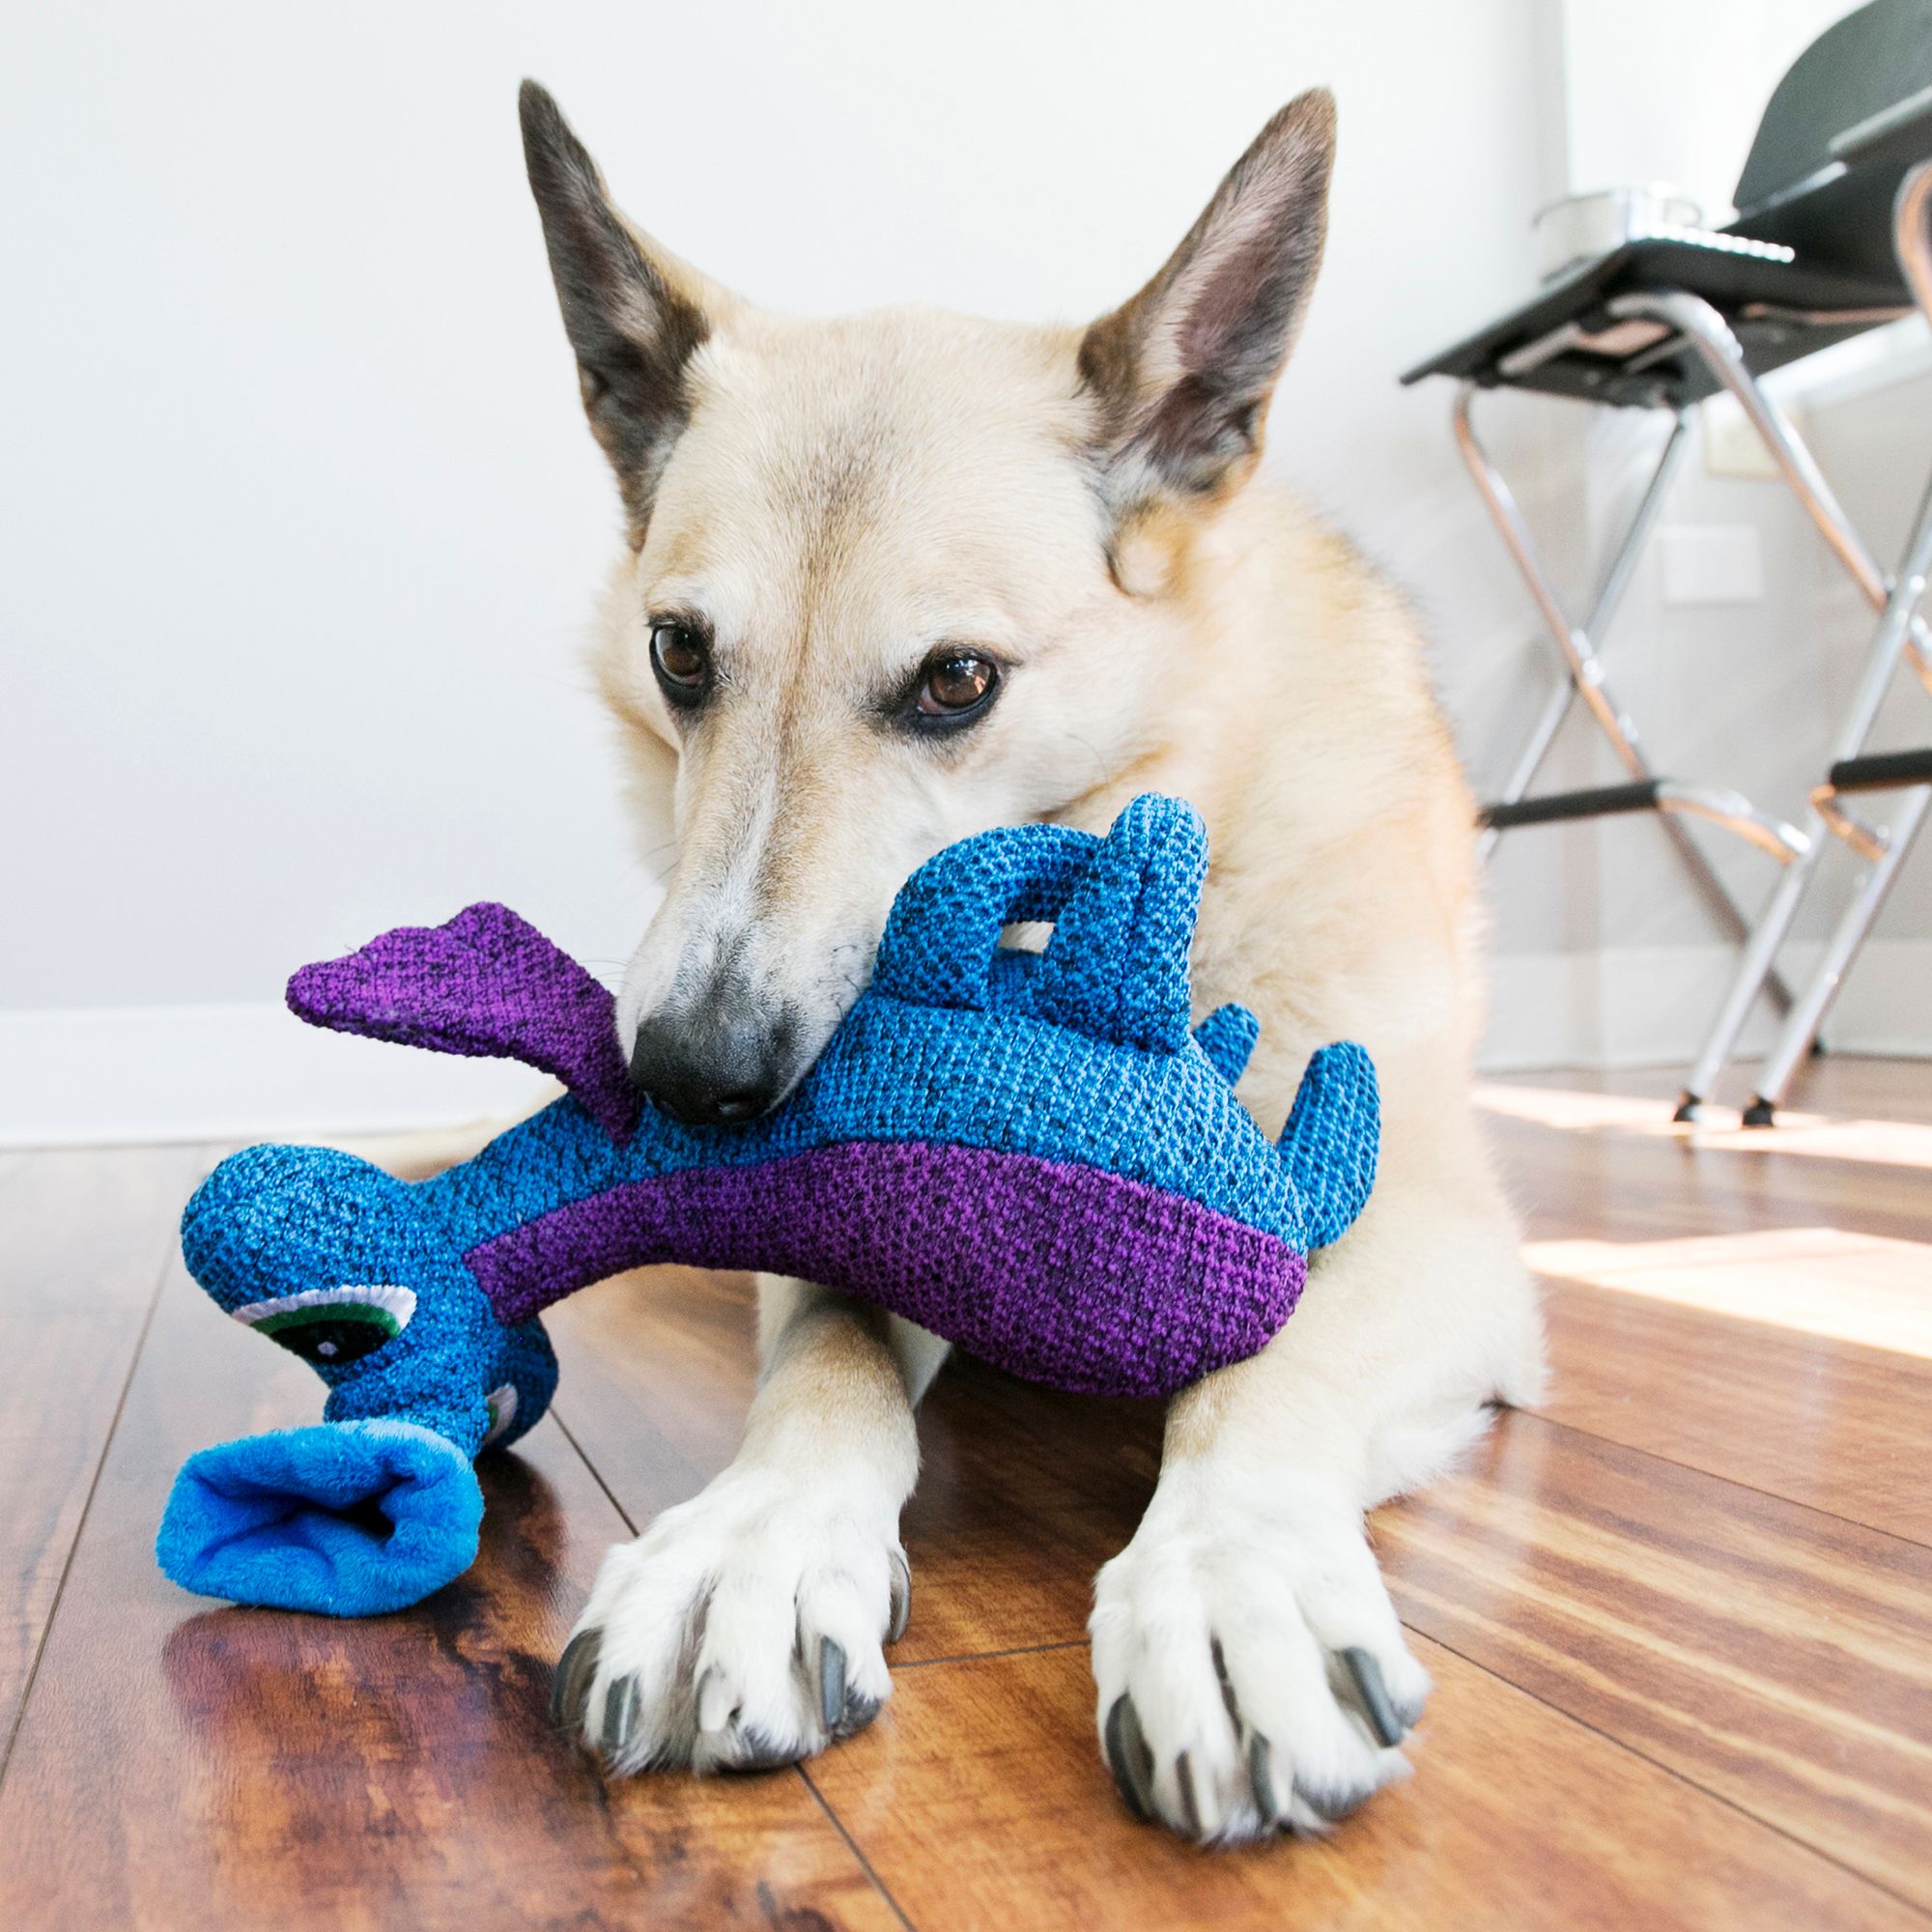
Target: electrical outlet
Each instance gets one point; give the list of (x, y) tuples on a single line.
[(1712, 564)]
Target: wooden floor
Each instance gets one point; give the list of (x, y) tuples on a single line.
[(1680, 1621)]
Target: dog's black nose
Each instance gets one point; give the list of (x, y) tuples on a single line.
[(709, 1069)]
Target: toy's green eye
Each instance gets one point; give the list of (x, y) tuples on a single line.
[(331, 1326), (502, 1406)]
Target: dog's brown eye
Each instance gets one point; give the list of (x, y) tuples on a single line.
[(681, 662), (955, 684)]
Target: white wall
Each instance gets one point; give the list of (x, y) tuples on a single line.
[(300, 522), (1665, 90)]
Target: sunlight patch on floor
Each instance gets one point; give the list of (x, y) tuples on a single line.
[(1884, 1143), (1866, 1289)]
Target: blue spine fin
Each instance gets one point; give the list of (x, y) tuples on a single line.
[(1227, 1036), (1331, 1140)]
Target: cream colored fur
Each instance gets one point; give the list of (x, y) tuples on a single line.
[(846, 494)]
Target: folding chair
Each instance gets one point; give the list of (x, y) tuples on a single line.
[(1882, 848), (1665, 321)]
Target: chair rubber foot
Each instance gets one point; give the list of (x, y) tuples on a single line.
[(1686, 1108), (1761, 1112)]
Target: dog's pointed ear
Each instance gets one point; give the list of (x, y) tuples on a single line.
[(635, 314), (1182, 373)]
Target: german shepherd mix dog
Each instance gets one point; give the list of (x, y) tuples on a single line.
[(895, 580)]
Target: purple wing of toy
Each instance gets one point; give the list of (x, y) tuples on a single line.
[(488, 986)]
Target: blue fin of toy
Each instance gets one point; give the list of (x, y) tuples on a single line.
[(1228, 1036), (944, 929), (1331, 1140), (1116, 967), (1122, 908), (348, 1518)]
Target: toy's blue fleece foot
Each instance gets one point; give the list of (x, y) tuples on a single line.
[(349, 1518)]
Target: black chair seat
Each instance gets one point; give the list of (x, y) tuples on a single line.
[(1732, 283)]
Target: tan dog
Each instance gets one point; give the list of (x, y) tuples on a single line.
[(897, 579)]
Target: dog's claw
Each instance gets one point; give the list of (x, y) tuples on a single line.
[(831, 1684), (1375, 1697), (1129, 1759), (571, 1679), (1260, 1780), (1334, 1806), (759, 1754), (620, 1715), (1190, 1803), (859, 1712), (901, 1611), (1227, 1683), (712, 1701)]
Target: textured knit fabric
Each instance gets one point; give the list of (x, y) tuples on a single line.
[(905, 1222), (488, 986), (1032, 1155)]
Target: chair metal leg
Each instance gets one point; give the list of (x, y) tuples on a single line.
[(1529, 761), (1585, 669), (1912, 244), (1699, 326), (1609, 595), (1807, 1013), (1707, 332), (1587, 681)]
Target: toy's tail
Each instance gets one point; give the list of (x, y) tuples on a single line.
[(350, 1518), (1331, 1139)]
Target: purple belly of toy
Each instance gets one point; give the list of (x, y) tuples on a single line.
[(1056, 1271)]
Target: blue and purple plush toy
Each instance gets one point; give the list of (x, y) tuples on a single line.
[(1031, 1155)]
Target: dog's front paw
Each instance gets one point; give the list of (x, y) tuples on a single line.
[(742, 1629), (1252, 1674)]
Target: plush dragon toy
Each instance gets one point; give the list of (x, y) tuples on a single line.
[(1032, 1154)]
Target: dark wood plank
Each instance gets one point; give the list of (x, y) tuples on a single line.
[(183, 1764), (1833, 1425), (978, 1798), (657, 1372), (86, 1239), (1775, 1656), (1023, 1494)]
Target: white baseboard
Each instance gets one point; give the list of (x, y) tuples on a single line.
[(117, 1075), (1651, 1006), (124, 1074)]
